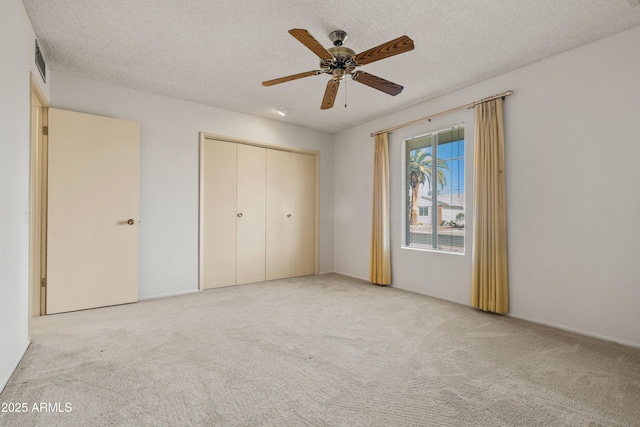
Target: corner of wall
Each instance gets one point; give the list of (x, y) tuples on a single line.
[(5, 380)]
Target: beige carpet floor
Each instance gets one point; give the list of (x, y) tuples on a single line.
[(317, 351)]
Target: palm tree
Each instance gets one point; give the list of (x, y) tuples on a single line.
[(420, 167)]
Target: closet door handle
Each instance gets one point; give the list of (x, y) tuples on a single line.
[(240, 215)]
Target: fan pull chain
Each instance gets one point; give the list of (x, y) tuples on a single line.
[(345, 93)]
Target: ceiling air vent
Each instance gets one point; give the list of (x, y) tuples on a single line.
[(40, 63)]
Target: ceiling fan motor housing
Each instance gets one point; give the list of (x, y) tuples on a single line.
[(341, 64), (342, 53), (343, 56)]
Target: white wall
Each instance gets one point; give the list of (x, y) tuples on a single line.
[(572, 150), (169, 171), (18, 61)]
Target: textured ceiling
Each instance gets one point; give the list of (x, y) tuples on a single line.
[(218, 52)]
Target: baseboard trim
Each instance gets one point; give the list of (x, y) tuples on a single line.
[(535, 321), (167, 295), (576, 331), (436, 296), (5, 380), (366, 279)]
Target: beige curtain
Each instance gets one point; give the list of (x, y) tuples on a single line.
[(489, 288), (380, 245)]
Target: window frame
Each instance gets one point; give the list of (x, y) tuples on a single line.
[(406, 201)]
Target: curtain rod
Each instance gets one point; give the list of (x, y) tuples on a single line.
[(469, 105)]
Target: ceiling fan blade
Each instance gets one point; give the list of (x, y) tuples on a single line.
[(307, 39), (330, 94), (385, 50), (292, 77), (377, 83)]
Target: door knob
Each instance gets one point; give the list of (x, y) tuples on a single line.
[(288, 215), (240, 215), (130, 221)]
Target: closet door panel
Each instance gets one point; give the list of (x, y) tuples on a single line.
[(303, 169), (279, 195), (250, 217), (219, 222)]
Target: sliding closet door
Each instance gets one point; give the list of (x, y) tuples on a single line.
[(303, 210), (219, 214), (251, 198), (279, 208)]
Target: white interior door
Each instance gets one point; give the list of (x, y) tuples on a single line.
[(250, 215), (219, 214), (93, 210), (291, 212), (279, 207), (303, 211), (257, 213)]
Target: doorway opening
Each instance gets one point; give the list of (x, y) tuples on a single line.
[(38, 201)]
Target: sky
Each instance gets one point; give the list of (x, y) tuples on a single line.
[(453, 154)]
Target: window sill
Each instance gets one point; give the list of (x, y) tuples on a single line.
[(438, 251)]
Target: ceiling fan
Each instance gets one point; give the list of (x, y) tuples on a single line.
[(340, 61)]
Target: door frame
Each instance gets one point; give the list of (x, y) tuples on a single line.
[(204, 136), (39, 121)]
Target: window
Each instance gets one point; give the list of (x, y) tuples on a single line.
[(435, 207)]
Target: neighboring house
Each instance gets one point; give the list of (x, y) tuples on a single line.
[(449, 206)]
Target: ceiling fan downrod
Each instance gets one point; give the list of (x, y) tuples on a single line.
[(338, 37)]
